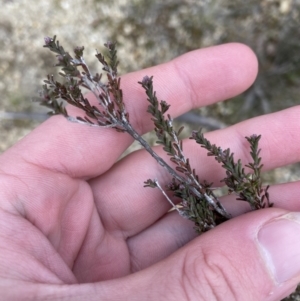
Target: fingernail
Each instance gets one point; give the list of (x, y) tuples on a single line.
[(280, 245)]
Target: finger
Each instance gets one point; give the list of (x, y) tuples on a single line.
[(197, 78), (253, 257), (285, 196), (129, 174), (279, 143)]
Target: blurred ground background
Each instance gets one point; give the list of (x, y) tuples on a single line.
[(149, 33)]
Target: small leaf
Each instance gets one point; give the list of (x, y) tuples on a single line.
[(150, 183), (180, 130)]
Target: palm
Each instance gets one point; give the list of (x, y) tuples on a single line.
[(70, 214), (92, 229), (82, 225)]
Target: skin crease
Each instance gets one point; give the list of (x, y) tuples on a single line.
[(75, 224)]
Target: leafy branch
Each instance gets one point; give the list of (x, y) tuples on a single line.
[(197, 200), (248, 186)]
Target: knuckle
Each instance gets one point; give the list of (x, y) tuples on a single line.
[(209, 276)]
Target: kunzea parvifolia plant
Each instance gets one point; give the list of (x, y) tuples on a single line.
[(196, 198)]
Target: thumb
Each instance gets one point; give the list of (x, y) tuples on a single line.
[(252, 257), (255, 256)]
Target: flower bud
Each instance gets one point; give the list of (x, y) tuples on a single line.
[(48, 40)]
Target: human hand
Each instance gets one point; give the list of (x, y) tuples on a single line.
[(75, 224)]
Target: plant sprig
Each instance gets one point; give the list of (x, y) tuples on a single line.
[(197, 201), (248, 186)]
